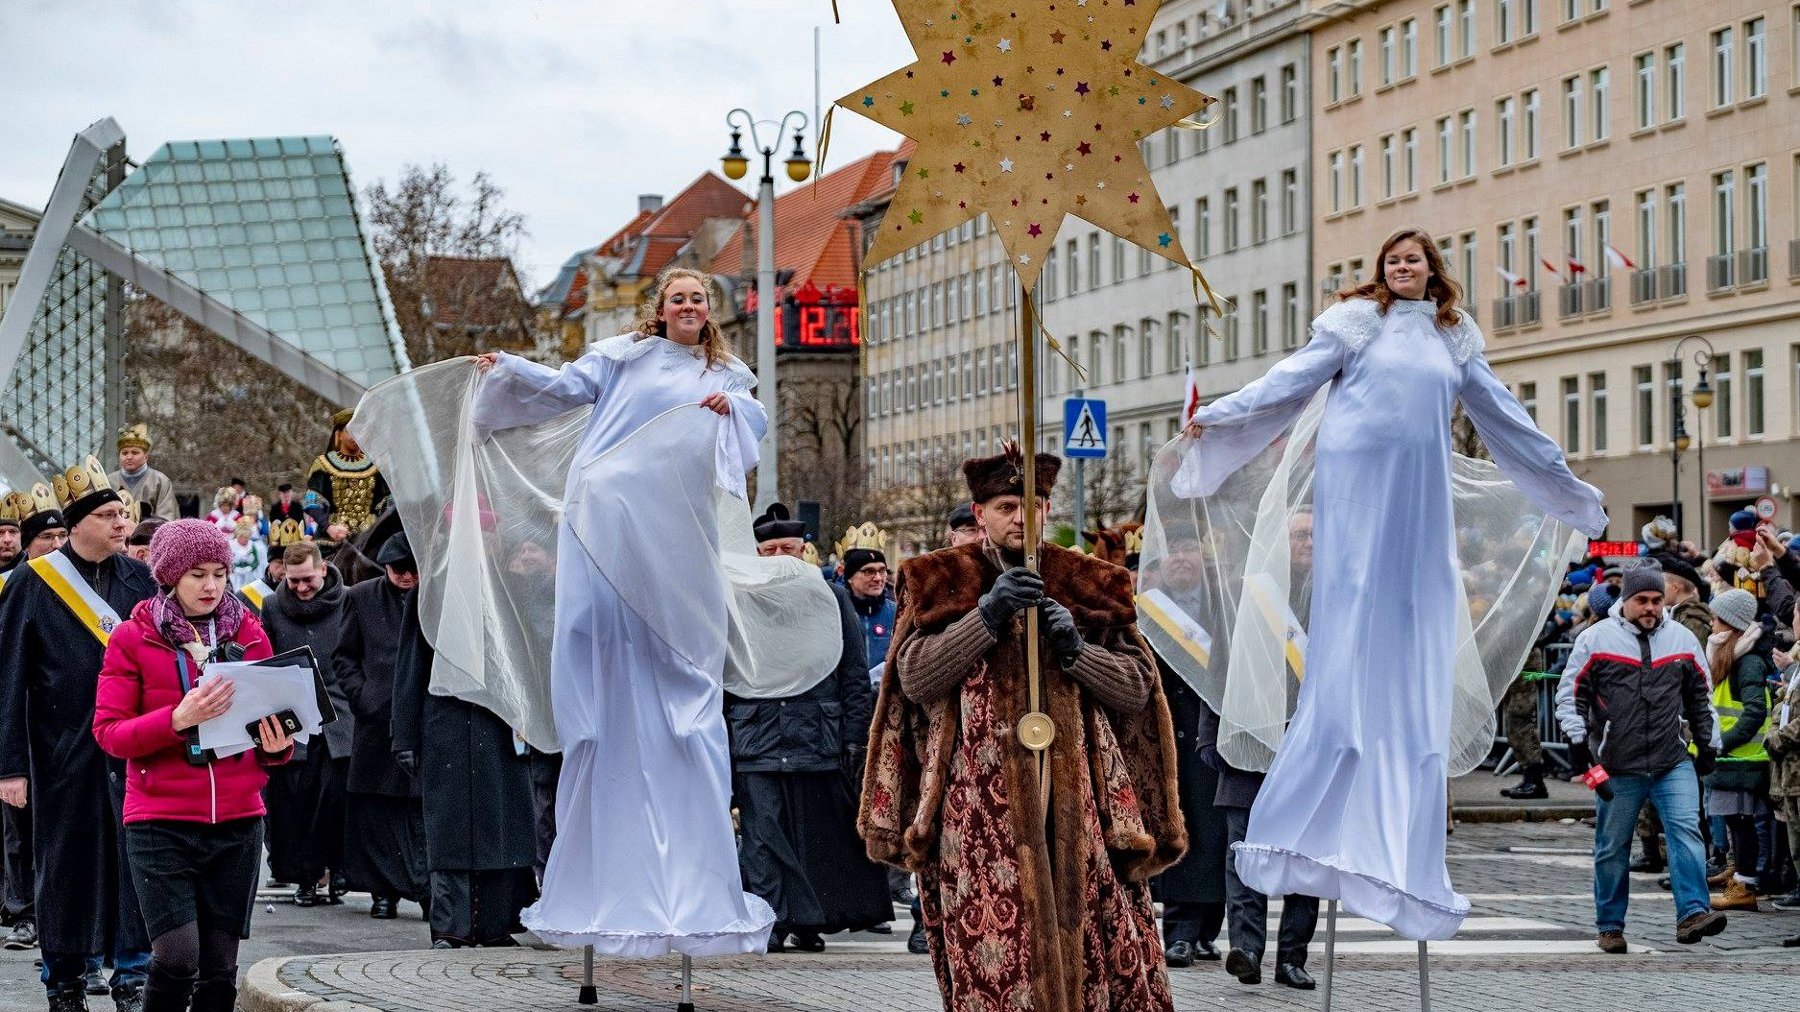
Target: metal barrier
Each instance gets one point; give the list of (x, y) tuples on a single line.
[(1556, 747)]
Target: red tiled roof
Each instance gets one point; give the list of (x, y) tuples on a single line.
[(811, 239), (649, 241)]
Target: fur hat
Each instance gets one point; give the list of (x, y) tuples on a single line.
[(1641, 577), (776, 522), (396, 551), (1004, 474), (180, 545), (1736, 608)]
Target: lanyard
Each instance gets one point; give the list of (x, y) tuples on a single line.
[(181, 658)]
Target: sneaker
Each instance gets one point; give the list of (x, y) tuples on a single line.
[(1694, 927), (1789, 902), (23, 936), (1529, 789), (1611, 942)]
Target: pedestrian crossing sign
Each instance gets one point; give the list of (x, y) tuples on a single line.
[(1084, 429)]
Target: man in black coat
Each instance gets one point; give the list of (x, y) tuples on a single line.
[(384, 851), (795, 766), (475, 779), (50, 654), (306, 798)]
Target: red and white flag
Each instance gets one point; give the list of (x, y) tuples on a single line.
[(1190, 399), (1617, 260), (1576, 267), (1512, 279), (1551, 268)]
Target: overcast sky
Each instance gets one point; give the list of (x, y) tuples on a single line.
[(573, 106)]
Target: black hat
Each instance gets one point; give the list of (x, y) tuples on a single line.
[(1004, 474), (396, 551), (286, 486), (775, 522), (857, 558), (962, 516), (38, 523)]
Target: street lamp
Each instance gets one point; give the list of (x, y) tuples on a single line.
[(1702, 398), (736, 165)]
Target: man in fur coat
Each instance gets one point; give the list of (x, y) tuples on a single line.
[(1027, 907)]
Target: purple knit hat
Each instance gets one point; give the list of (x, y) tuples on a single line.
[(180, 545)]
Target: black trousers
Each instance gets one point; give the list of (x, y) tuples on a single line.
[(1192, 922), (20, 900), (1249, 909)]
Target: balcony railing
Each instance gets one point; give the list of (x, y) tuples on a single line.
[(1506, 312), (1643, 286), (1753, 265), (1671, 281), (1596, 295), (1569, 300), (1718, 272), (1794, 258), (1528, 308)]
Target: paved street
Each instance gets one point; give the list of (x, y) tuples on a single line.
[(1527, 946)]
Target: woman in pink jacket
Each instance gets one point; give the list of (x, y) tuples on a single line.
[(193, 821)]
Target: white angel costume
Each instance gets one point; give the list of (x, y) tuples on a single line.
[(1399, 672), (659, 604)]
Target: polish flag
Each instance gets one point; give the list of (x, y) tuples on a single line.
[(1551, 268), (1617, 260), (1190, 400), (1576, 267), (1511, 279)]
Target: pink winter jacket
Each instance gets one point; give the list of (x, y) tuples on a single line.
[(134, 720)]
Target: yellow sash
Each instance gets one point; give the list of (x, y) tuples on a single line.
[(1162, 610), (1282, 621), (59, 574), (254, 592)]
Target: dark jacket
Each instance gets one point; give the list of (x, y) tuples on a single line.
[(877, 616), (1199, 877), (292, 623), (1750, 687), (50, 664), (475, 782), (824, 728), (1625, 692), (364, 665), (1237, 788)]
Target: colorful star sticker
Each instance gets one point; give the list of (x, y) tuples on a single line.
[(1133, 197), (1081, 87), (1004, 45), (949, 57), (1035, 230)]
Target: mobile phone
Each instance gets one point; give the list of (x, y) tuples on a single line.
[(289, 721)]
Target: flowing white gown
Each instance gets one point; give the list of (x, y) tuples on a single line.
[(644, 862), (1353, 805)]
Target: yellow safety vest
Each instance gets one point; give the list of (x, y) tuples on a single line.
[(1730, 711)]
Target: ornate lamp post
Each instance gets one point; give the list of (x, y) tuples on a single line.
[(735, 165), (1702, 397)]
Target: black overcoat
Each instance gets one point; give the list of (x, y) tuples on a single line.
[(1199, 877), (475, 783), (363, 663), (814, 731), (292, 623), (49, 668)]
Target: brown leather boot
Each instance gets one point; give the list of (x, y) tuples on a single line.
[(1737, 896)]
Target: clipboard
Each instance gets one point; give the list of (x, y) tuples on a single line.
[(303, 657)]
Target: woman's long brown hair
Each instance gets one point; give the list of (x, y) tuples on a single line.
[(712, 339), (1724, 656), (1442, 288)]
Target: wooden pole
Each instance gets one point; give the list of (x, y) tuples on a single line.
[(1036, 731)]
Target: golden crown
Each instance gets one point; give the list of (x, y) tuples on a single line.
[(15, 507), (43, 500), (137, 435), (810, 554), (866, 535), (78, 482), (130, 502), (1134, 542)]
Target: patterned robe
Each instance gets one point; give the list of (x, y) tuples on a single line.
[(1026, 914)]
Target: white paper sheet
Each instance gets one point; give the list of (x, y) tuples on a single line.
[(260, 691)]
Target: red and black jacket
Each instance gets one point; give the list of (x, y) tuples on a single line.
[(1626, 692)]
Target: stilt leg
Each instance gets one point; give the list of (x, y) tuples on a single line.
[(1330, 949), (587, 996), (1424, 979), (687, 984)]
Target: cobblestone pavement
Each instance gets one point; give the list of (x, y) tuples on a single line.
[(1528, 946)]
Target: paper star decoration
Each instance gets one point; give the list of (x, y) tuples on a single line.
[(946, 104)]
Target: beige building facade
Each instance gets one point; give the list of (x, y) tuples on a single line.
[(1614, 183)]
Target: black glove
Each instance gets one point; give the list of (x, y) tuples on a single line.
[(1705, 761), (1209, 756), (408, 760), (1581, 757), (1059, 629), (1016, 588)]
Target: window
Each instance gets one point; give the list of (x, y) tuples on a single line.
[(1259, 322), (1072, 268), (1095, 340), (1503, 115), (1177, 350), (1290, 201), (1675, 76), (1571, 395), (1753, 393), (1466, 123), (1724, 186), (1385, 54), (1389, 175), (1409, 48), (1335, 179), (1528, 400), (1756, 209), (1597, 409), (1528, 125), (1353, 65), (1356, 176), (1120, 346), (1571, 88), (1174, 227), (1259, 211), (1533, 252), (1259, 105), (1644, 91), (1074, 344), (1507, 250), (1756, 58), (1601, 213), (1229, 114), (1503, 20), (1445, 143), (1469, 276), (1334, 74), (1118, 260), (1231, 219), (1202, 228), (1230, 324), (1598, 88), (1465, 21), (1093, 260), (1409, 159), (981, 293), (1440, 30), (1722, 397), (1646, 229), (1675, 196), (1146, 347), (1527, 17), (1646, 405), (1722, 91), (1171, 146), (1290, 316), (1290, 93), (1572, 237)]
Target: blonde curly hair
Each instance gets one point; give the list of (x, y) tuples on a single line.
[(650, 322)]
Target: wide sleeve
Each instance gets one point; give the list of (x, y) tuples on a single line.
[(517, 391), (347, 656), (15, 638), (1241, 425), (740, 436), (1528, 458)]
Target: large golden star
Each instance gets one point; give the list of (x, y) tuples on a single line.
[(1027, 110)]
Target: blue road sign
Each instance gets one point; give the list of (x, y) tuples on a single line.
[(1084, 429)]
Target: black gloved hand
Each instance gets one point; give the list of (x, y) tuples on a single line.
[(1016, 588), (1059, 629), (1581, 757), (1705, 762), (1210, 757), (408, 760)]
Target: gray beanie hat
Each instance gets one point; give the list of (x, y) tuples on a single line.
[(1641, 577), (1736, 608)]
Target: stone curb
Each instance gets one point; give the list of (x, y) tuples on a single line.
[(1519, 813), (263, 991)]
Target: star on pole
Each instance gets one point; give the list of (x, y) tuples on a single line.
[(944, 104)]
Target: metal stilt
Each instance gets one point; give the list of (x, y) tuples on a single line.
[(687, 984), (588, 995), (1330, 949), (1424, 978)]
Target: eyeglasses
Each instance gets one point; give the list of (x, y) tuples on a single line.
[(110, 516)]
